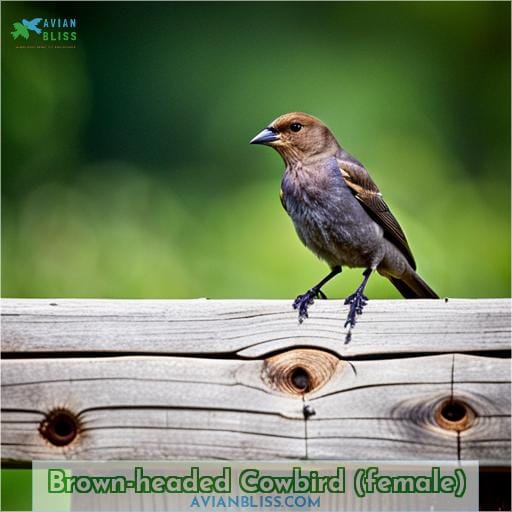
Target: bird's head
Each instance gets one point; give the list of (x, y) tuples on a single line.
[(298, 137)]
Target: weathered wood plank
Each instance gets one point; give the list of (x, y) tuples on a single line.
[(251, 328), (188, 379), (407, 403), (186, 407)]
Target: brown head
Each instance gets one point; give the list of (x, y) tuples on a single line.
[(298, 137)]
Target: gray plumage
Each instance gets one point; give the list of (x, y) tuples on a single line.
[(327, 217), (338, 211), (334, 225)]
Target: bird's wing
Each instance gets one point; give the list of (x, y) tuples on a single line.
[(365, 190), (36, 21)]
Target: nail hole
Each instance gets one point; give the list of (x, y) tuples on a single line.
[(308, 411), (60, 427), (455, 415), (300, 379)]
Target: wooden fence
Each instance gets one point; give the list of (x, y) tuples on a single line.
[(232, 379)]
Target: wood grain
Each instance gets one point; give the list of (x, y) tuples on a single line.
[(196, 408), (252, 328), (202, 379)]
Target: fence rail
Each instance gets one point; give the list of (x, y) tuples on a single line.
[(199, 379)]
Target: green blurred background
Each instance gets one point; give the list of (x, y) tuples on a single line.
[(127, 170)]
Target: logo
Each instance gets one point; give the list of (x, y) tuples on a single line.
[(46, 30), (23, 29)]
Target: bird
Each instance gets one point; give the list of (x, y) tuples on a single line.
[(32, 24), (20, 30), (339, 213)]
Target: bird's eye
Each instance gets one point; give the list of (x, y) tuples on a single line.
[(295, 127)]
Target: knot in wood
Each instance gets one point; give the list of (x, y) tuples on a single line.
[(299, 371), (60, 427), (454, 414), (450, 414)]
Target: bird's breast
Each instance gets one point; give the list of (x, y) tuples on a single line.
[(328, 218)]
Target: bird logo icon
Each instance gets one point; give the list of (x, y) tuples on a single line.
[(23, 29), (32, 24)]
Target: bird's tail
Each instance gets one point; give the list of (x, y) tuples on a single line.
[(15, 34), (412, 286)]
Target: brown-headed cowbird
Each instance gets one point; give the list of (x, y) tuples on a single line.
[(338, 212)]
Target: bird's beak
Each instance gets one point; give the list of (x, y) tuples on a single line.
[(265, 136)]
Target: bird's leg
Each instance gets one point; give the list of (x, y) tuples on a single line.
[(302, 302), (357, 300)]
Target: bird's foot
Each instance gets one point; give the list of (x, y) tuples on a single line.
[(302, 302), (357, 302)]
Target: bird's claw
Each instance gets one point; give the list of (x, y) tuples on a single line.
[(357, 302), (302, 302)]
